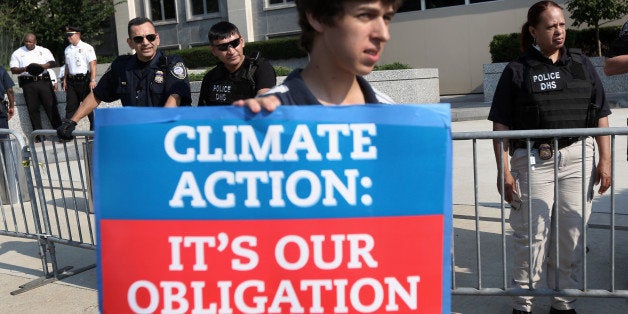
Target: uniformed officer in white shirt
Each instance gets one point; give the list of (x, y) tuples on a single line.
[(80, 72), (31, 62)]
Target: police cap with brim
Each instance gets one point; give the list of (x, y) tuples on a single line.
[(72, 29)]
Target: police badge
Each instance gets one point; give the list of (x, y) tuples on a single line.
[(159, 77), (179, 71), (545, 151)]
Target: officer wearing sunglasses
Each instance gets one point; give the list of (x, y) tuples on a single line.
[(236, 76), (146, 79)]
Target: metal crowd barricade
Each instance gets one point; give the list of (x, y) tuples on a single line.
[(20, 217), (19, 209), (60, 209), (483, 225), (62, 181), (45, 195)]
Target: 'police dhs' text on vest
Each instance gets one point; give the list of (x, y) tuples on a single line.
[(547, 81)]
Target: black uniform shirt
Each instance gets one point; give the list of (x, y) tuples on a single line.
[(145, 84), (5, 83), (512, 82)]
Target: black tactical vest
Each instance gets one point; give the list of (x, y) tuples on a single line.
[(555, 96), (226, 87)]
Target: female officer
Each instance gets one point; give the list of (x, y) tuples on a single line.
[(549, 87)]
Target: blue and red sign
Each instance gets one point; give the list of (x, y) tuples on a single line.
[(309, 209)]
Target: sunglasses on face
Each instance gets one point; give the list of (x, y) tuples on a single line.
[(233, 44), (140, 39), (69, 34)]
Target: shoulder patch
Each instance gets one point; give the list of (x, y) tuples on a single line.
[(179, 71)]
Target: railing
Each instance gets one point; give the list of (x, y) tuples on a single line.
[(45, 194), (55, 207), (483, 225)]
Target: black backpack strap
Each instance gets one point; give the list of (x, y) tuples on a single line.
[(253, 65)]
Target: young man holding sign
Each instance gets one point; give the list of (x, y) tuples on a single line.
[(344, 40), (305, 210)]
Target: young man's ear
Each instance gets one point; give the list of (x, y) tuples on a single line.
[(316, 24)]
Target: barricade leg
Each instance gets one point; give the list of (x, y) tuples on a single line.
[(48, 252)]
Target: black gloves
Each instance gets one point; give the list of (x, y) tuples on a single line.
[(34, 69), (64, 132)]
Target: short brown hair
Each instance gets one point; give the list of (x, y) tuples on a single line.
[(325, 11)]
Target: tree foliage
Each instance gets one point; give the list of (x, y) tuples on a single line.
[(47, 19), (594, 12)]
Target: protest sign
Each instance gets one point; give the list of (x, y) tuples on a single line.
[(309, 209)]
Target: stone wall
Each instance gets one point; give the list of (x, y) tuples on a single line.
[(414, 86)]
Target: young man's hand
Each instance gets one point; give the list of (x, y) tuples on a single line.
[(268, 103)]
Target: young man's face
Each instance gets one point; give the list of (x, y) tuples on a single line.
[(145, 40), (356, 41), (229, 51)]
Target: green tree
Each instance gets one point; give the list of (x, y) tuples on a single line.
[(47, 20), (593, 12)]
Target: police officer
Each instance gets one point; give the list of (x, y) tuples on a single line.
[(7, 97), (236, 76), (147, 79), (30, 62), (617, 62), (549, 87), (80, 72)]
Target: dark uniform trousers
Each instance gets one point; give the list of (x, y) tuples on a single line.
[(4, 115), (77, 88), (4, 120), (41, 93)]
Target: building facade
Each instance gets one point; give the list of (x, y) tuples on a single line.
[(450, 35)]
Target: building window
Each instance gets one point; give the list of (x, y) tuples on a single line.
[(162, 10), (410, 5), (432, 4), (279, 2), (203, 7), (415, 5)]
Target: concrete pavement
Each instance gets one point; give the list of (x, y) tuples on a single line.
[(19, 261)]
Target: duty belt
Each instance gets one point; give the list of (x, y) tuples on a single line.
[(78, 77), (24, 79), (562, 143)]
